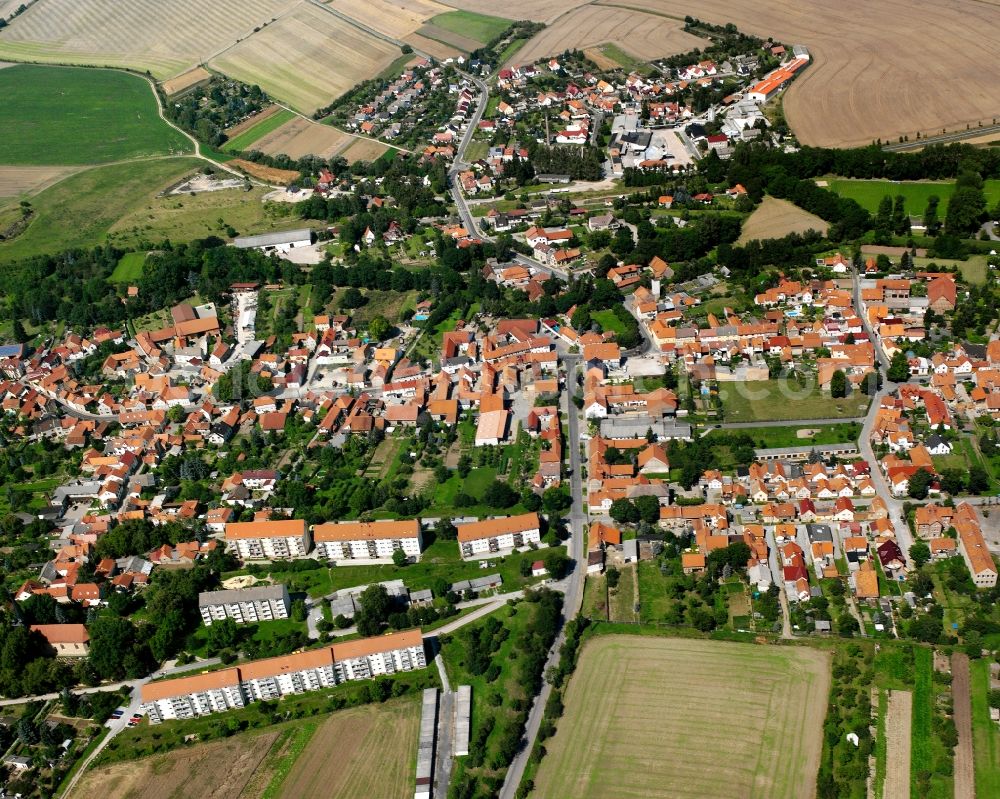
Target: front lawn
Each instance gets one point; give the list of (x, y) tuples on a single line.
[(775, 400)]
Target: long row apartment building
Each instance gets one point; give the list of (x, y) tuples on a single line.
[(494, 536), (292, 538), (272, 678)]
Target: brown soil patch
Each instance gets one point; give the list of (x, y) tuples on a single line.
[(270, 174), (19, 180), (775, 218), (216, 770), (363, 150), (439, 50), (879, 86), (373, 750), (300, 136), (965, 782), (249, 122), (599, 58), (645, 36), (897, 755), (185, 80)]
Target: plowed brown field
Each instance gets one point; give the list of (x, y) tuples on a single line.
[(881, 70)]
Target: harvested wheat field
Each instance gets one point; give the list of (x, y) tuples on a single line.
[(438, 50), (775, 218), (541, 11), (166, 37), (868, 80), (280, 177), (18, 181), (363, 150), (897, 741), (216, 770), (395, 18), (307, 58), (185, 80), (688, 719), (644, 36), (300, 136), (375, 750)]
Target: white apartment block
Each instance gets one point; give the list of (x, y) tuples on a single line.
[(269, 540), (491, 536), (245, 605), (368, 540), (273, 678)]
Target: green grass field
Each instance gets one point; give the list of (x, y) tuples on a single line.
[(80, 210), (985, 733), (869, 193), (242, 142), (63, 115), (480, 27), (129, 268), (615, 53), (774, 400), (765, 437), (608, 321), (211, 213), (652, 716)]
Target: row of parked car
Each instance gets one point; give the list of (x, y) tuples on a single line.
[(119, 712)]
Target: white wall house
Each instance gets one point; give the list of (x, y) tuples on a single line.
[(368, 540), (490, 536)]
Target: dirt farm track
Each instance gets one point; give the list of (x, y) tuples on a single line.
[(688, 719)]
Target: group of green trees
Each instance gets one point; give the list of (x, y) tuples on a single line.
[(206, 111)]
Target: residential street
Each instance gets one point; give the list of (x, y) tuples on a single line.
[(574, 583)]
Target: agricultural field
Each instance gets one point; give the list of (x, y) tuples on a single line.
[(329, 56), (192, 771), (431, 32), (375, 754), (897, 725), (479, 27), (245, 139), (395, 18), (79, 211), (880, 87), (300, 136), (673, 705), (262, 172), (375, 747), (869, 193), (363, 150), (541, 11), (432, 47), (985, 733), (185, 81), (182, 217), (166, 38), (773, 400), (775, 218), (65, 116), (21, 181), (644, 36)]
